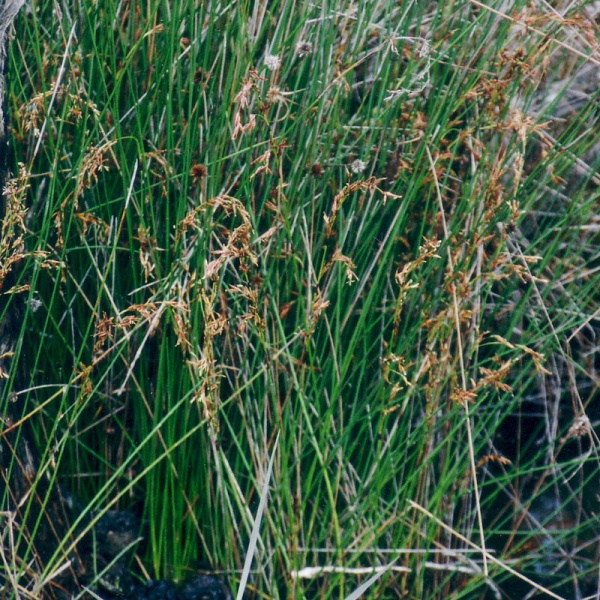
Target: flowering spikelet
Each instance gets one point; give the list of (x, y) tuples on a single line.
[(358, 166), (303, 48), (272, 62)]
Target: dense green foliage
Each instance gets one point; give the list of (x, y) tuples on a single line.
[(356, 226)]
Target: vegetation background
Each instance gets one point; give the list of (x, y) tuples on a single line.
[(357, 238)]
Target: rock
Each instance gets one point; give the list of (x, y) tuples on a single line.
[(200, 587), (204, 587), (115, 531)]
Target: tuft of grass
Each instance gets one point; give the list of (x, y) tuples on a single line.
[(365, 230)]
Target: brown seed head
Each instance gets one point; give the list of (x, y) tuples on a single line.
[(317, 170), (198, 171)]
